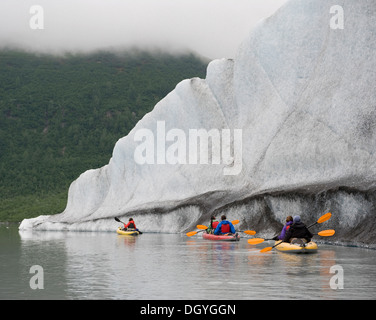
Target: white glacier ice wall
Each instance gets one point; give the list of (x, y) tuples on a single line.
[(302, 94)]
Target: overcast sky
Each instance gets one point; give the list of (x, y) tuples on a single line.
[(212, 28)]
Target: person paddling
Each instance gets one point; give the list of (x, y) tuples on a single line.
[(224, 227), (131, 225), (213, 224), (297, 230), (286, 227)]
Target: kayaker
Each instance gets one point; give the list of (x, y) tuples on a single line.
[(213, 224), (297, 230), (286, 227), (224, 227), (130, 225)]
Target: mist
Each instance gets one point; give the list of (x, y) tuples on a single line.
[(210, 28)]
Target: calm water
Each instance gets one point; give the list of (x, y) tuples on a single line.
[(85, 265)]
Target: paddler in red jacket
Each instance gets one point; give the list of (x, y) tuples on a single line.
[(130, 225)]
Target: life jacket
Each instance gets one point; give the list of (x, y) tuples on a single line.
[(215, 224), (225, 228)]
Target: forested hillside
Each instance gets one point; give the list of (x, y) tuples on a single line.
[(60, 116)]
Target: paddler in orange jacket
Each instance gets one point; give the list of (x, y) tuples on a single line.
[(130, 225)]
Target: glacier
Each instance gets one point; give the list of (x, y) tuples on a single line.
[(301, 91)]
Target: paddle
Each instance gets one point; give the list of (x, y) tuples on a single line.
[(322, 219), (249, 232), (118, 220), (257, 240), (192, 233), (270, 248), (324, 233)]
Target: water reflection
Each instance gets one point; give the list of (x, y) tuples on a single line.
[(90, 265), (127, 240)]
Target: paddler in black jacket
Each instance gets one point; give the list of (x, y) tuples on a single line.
[(298, 230)]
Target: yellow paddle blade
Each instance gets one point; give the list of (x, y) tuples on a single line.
[(324, 218), (327, 233), (235, 221), (250, 232), (192, 233), (200, 226), (266, 249), (255, 241)]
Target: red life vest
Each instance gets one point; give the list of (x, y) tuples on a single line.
[(215, 224), (225, 228)]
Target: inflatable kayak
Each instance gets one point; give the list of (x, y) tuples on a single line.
[(227, 237), (310, 247), (127, 232)]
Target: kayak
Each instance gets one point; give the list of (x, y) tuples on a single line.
[(127, 232), (310, 247), (227, 237)]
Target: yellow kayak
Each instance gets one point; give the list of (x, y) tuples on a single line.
[(127, 232), (310, 247)]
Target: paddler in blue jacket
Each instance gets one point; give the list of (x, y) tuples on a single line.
[(224, 227)]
